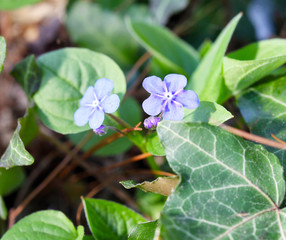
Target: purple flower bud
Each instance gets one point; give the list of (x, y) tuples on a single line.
[(102, 130), (151, 122)]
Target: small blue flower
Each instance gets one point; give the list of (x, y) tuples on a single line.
[(95, 102), (151, 122), (168, 97)]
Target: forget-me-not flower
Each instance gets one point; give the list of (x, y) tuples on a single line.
[(95, 102), (168, 96)]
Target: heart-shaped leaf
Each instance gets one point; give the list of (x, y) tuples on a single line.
[(229, 188), (144, 231), (44, 225), (109, 220), (66, 74)]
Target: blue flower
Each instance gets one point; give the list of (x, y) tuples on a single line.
[(95, 102), (169, 96)]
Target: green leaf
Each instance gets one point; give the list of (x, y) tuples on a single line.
[(130, 111), (109, 220), (163, 9), (9, 5), (101, 30), (150, 204), (3, 209), (208, 112), (16, 154), (66, 74), (88, 237), (206, 80), (2, 51), (29, 127), (263, 108), (229, 188), (205, 47), (44, 225), (246, 66), (10, 179), (166, 47), (162, 185), (28, 75), (144, 231), (153, 145)]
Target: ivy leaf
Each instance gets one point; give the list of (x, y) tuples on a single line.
[(264, 109), (206, 80), (2, 52), (28, 75), (3, 209), (166, 47), (161, 185), (44, 225), (16, 154), (229, 188), (66, 74), (246, 66), (109, 220), (144, 231)]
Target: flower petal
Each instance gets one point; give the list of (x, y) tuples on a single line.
[(173, 111), (153, 105), (175, 82), (96, 119), (110, 103), (88, 96), (103, 87), (153, 85), (188, 98), (81, 116)]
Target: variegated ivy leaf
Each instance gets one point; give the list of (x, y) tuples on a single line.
[(229, 188)]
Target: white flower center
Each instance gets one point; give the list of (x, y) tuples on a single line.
[(168, 95), (95, 103)]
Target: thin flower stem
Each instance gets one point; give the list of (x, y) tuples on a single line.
[(120, 121), (15, 212), (137, 65), (152, 172), (129, 160), (253, 137)]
